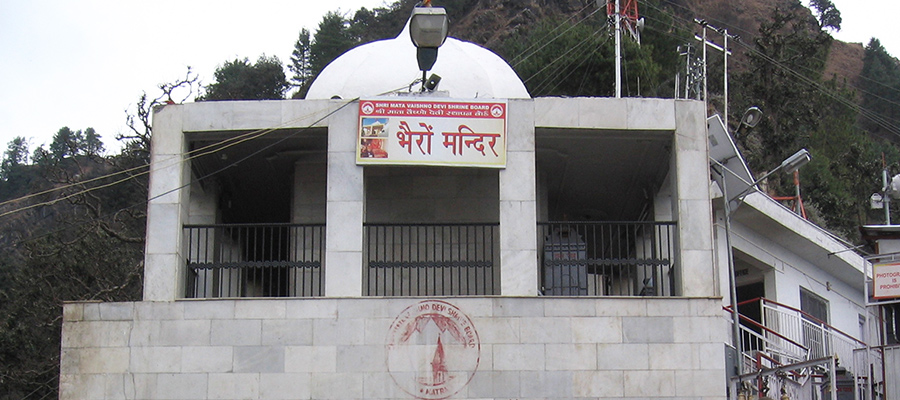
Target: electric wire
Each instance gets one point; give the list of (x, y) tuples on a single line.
[(149, 199), (258, 151), (751, 34), (237, 139), (199, 152), (516, 60), (584, 60), (866, 113), (550, 78), (345, 104), (548, 42), (575, 68), (686, 22), (561, 56)]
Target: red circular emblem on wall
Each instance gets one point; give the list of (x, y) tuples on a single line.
[(433, 350)]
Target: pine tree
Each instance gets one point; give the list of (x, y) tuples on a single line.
[(300, 64), (15, 156)]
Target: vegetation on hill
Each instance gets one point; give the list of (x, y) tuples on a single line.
[(73, 226)]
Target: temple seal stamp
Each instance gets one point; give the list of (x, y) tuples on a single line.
[(433, 350)]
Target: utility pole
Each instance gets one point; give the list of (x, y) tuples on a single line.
[(725, 53), (618, 22)]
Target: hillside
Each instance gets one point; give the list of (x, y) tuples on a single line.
[(489, 23)]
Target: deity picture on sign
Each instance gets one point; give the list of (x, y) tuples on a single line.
[(372, 136)]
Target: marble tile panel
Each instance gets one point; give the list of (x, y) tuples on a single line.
[(284, 386), (546, 384), (646, 384), (259, 359), (311, 308), (181, 386), (570, 357), (259, 309), (597, 330), (598, 384), (518, 357), (207, 359), (647, 329), (209, 309), (155, 359), (233, 386), (287, 332), (236, 332), (320, 359), (546, 330)]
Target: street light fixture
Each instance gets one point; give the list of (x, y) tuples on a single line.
[(428, 29), (789, 165)]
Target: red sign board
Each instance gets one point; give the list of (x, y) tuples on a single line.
[(466, 133)]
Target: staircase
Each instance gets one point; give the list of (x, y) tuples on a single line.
[(799, 349)]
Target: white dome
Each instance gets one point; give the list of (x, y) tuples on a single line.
[(467, 71)]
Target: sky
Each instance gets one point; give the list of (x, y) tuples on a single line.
[(83, 63)]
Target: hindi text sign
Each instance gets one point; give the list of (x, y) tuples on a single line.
[(465, 133)]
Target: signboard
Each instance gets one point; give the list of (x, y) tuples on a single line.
[(463, 133), (887, 280)]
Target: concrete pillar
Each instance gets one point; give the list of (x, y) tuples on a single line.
[(345, 208), (167, 209), (694, 209), (518, 206)]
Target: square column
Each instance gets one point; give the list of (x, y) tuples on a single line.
[(518, 205), (694, 208), (167, 208), (345, 207)]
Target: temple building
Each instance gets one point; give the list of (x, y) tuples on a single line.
[(460, 240)]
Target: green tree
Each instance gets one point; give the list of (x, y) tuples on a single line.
[(333, 38), (92, 145), (14, 158), (87, 246), (241, 80), (301, 66), (881, 92), (66, 143), (579, 61), (828, 15), (788, 56), (41, 156)]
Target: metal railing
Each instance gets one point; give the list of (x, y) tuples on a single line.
[(607, 258), (821, 338), (254, 260), (431, 259), (784, 330)]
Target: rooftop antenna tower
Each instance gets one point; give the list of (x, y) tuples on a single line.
[(623, 14)]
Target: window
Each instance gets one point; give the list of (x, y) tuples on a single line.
[(814, 305), (891, 323)]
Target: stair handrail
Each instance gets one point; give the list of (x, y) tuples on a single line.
[(765, 328), (773, 347), (824, 324)]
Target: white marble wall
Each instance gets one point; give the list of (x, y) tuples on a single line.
[(518, 205), (693, 204), (167, 209), (345, 208), (530, 348)]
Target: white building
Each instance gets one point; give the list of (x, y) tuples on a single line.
[(285, 259)]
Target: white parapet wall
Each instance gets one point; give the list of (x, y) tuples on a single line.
[(484, 348)]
